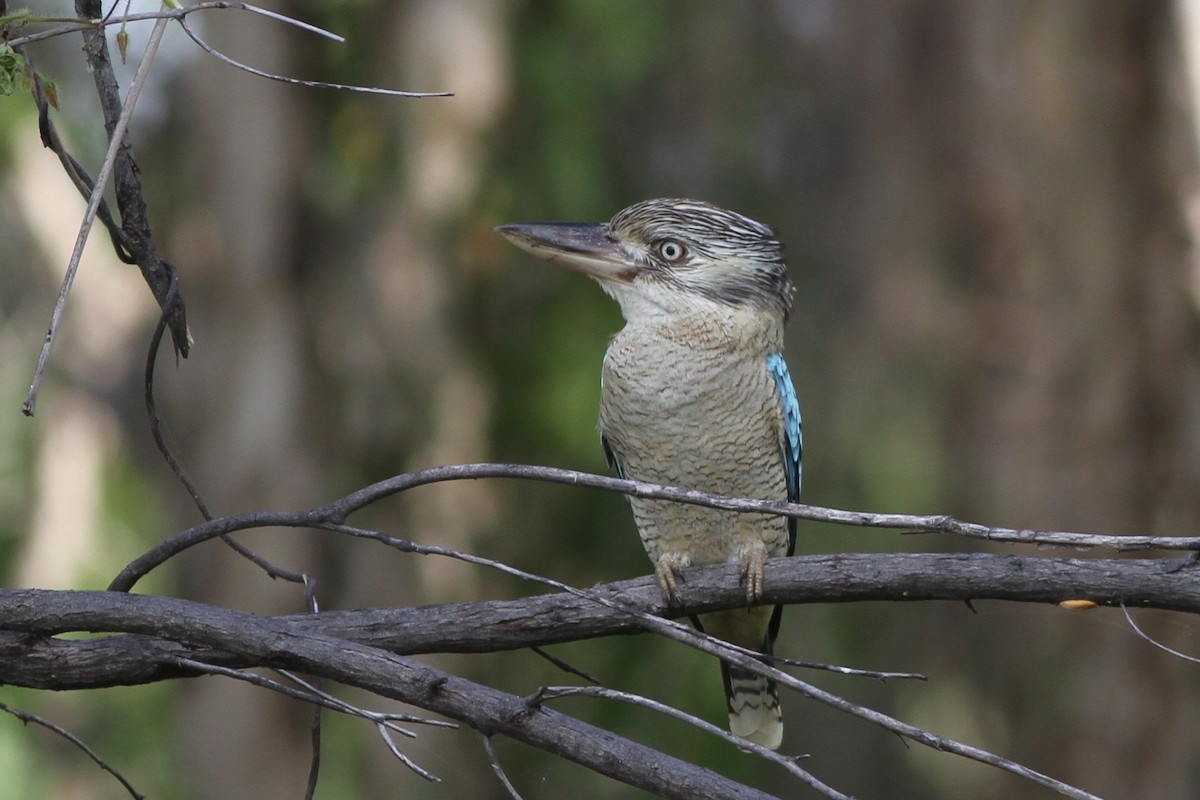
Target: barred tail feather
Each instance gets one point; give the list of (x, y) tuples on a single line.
[(753, 706)]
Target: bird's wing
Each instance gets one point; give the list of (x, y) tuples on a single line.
[(614, 463), (790, 437), (791, 446)]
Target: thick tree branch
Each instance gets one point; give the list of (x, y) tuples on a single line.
[(353, 646), (278, 643), (28, 615)]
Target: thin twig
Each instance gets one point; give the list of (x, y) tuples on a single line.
[(106, 168), (564, 666), (1154, 641), (494, 761), (206, 47), (924, 737), (384, 723), (385, 733), (790, 763), (26, 717), (388, 718), (882, 677), (75, 171), (170, 14), (176, 466), (339, 509), (314, 761), (907, 522), (290, 21)]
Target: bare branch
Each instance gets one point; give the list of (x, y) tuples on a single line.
[(133, 241), (75, 171), (790, 763), (276, 643), (332, 515), (882, 677), (27, 718), (625, 607), (919, 735), (751, 661), (554, 618), (386, 734), (1154, 641), (386, 718), (206, 47), (167, 13), (181, 474), (501, 775), (384, 723), (564, 666), (116, 139)]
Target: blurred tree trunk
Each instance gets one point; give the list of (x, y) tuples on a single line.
[(327, 350), (245, 402), (1026, 171)]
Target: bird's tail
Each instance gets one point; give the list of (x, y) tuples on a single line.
[(753, 706), (753, 700)]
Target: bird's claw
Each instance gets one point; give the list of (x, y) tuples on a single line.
[(667, 570), (753, 562)]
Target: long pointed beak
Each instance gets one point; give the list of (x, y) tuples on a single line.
[(582, 246)]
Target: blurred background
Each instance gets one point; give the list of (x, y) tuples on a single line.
[(990, 211)]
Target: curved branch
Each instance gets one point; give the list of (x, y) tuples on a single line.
[(27, 718), (276, 643), (334, 514)]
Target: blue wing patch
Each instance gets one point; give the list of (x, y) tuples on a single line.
[(790, 438)]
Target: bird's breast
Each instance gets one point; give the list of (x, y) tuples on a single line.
[(698, 414)]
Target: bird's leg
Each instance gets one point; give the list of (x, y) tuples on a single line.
[(753, 557), (667, 568)]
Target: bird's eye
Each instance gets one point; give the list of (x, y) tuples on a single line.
[(671, 250)]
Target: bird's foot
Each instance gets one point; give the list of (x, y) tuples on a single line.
[(753, 560), (666, 569)]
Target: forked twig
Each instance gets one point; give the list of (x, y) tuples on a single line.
[(385, 723), (387, 718)]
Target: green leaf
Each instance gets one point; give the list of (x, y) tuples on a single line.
[(12, 69)]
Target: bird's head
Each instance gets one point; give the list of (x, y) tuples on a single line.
[(667, 256)]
